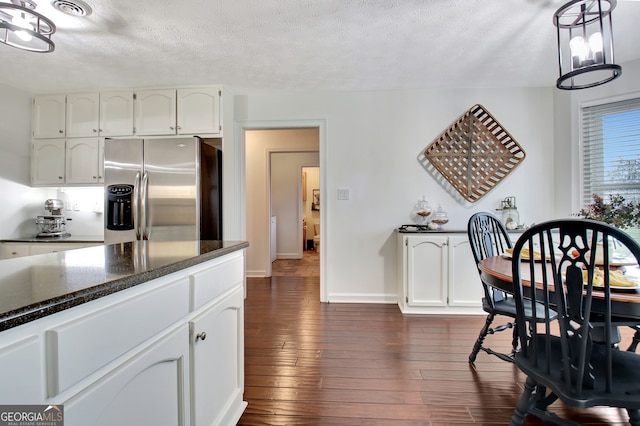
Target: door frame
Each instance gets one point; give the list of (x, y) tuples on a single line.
[(240, 178)]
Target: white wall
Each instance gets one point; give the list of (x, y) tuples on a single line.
[(286, 197), (567, 132), (373, 141), (20, 203)]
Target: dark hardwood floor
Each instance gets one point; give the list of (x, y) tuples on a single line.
[(312, 363)]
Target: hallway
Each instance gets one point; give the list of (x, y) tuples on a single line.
[(308, 266)]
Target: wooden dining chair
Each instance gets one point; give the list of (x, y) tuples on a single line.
[(572, 355), (488, 237)]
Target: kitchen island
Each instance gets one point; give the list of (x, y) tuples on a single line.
[(132, 333)]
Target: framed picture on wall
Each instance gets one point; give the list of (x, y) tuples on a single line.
[(315, 205)]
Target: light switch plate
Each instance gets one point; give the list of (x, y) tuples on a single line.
[(343, 193)]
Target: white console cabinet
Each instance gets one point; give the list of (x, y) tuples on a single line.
[(437, 275)]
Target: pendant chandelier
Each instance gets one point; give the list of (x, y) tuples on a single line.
[(585, 44), (23, 28)]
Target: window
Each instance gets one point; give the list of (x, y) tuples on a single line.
[(611, 150)]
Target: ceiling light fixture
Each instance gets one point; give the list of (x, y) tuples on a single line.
[(585, 44), (22, 27)]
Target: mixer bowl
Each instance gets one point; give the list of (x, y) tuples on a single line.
[(51, 224)]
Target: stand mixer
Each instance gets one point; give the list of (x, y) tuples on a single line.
[(55, 223)]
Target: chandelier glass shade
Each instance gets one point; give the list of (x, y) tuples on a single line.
[(23, 28), (585, 44)]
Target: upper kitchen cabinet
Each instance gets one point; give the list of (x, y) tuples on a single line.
[(84, 161), (83, 114), (116, 113), (100, 114), (155, 112), (47, 162), (193, 111), (199, 111), (49, 116)]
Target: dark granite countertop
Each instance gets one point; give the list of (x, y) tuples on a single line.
[(33, 287)]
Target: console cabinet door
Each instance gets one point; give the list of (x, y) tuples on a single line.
[(427, 271), (149, 389), (465, 288), (217, 350), (47, 162), (155, 112), (49, 114), (83, 115), (198, 111), (22, 376)]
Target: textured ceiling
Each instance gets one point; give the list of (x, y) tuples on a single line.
[(304, 45)]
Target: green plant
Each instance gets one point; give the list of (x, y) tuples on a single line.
[(617, 212)]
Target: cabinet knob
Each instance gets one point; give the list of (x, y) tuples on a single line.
[(60, 177), (201, 336), (95, 130), (178, 127), (60, 131), (95, 177), (172, 128)]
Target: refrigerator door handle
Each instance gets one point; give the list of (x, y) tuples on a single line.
[(136, 205), (143, 211)]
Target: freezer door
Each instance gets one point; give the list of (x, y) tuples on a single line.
[(170, 195), (122, 165)]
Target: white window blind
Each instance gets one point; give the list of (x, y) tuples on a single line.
[(611, 150)]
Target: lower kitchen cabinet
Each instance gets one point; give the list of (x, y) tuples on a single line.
[(11, 250), (217, 339), (150, 389), (168, 352), (437, 275)]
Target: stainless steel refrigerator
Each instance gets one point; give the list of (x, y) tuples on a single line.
[(162, 190)]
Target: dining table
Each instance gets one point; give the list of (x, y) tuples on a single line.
[(496, 271)]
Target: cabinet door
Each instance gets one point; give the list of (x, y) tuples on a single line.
[(116, 113), (49, 116), (150, 389), (155, 112), (101, 161), (82, 160), (47, 162), (11, 250), (427, 271), (217, 357), (82, 115), (465, 288), (198, 111), (22, 378)]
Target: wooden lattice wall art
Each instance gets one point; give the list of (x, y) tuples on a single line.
[(475, 153)]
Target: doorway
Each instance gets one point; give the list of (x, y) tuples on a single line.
[(257, 142)]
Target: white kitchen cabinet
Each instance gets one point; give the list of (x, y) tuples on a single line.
[(155, 112), (133, 357), (48, 120), (21, 367), (84, 158), (11, 250), (47, 162), (437, 274), (150, 389), (217, 339), (116, 113), (198, 111), (83, 115)]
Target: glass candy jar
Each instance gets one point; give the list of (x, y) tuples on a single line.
[(421, 212), (510, 216), (439, 218)]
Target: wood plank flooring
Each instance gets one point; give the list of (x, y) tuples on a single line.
[(312, 363)]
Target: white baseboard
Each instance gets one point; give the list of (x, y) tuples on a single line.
[(363, 298)]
